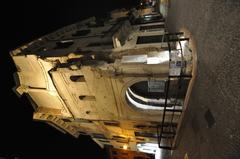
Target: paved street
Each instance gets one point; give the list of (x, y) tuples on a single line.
[(211, 128)]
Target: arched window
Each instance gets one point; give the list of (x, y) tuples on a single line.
[(151, 95), (147, 94)]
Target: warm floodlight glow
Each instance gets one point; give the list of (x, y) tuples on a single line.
[(125, 147)]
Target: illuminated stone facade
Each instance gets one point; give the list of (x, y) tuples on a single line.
[(108, 79)]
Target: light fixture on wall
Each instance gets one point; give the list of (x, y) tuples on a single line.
[(125, 146)]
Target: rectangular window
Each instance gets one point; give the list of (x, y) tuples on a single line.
[(99, 136), (149, 27), (105, 141), (87, 98), (83, 121), (112, 123), (141, 126), (118, 137), (123, 142), (151, 39), (66, 120), (146, 134)]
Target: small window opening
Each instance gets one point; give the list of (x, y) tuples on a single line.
[(87, 98), (77, 78)]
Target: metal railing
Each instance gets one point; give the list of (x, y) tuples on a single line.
[(166, 131)]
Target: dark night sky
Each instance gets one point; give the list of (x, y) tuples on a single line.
[(21, 22)]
